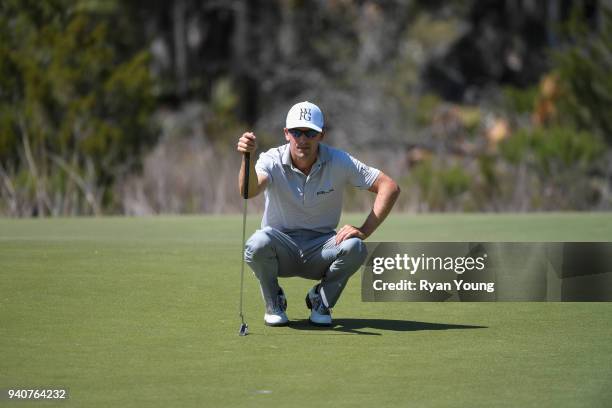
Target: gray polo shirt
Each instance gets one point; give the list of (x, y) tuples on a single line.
[(313, 202)]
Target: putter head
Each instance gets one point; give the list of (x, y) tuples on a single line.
[(244, 329)]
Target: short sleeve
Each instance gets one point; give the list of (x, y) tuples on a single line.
[(360, 175), (264, 165)]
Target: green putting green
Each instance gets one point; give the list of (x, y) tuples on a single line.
[(136, 312)]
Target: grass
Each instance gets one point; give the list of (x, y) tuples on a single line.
[(138, 312)]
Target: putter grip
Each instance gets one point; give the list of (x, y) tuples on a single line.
[(247, 169)]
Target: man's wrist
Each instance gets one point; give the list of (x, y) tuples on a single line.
[(365, 231)]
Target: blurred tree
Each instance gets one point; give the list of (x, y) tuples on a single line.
[(506, 43), (77, 91), (561, 159), (584, 67), (75, 105)]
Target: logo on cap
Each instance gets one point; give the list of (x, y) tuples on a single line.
[(305, 114)]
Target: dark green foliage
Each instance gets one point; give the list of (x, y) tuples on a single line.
[(520, 100), (73, 96), (426, 108), (440, 185), (553, 148), (556, 166), (454, 180)]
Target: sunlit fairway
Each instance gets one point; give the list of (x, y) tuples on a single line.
[(137, 312)]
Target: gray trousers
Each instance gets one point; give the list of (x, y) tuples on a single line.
[(308, 254)]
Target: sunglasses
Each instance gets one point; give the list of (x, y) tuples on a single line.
[(310, 133)]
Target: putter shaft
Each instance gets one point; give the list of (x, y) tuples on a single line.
[(247, 164), (242, 259)]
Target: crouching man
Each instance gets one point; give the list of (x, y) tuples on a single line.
[(303, 182)]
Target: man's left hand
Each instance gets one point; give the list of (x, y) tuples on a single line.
[(349, 231)]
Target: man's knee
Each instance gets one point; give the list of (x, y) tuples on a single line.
[(354, 249), (258, 245)]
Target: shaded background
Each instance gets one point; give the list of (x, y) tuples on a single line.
[(111, 107)]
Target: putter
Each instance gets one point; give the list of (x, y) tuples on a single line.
[(244, 328)]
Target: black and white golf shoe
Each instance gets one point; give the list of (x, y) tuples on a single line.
[(320, 314), (275, 312)]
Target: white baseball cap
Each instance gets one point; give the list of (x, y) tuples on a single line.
[(305, 114)]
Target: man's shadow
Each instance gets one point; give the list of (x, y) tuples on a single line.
[(355, 326)]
